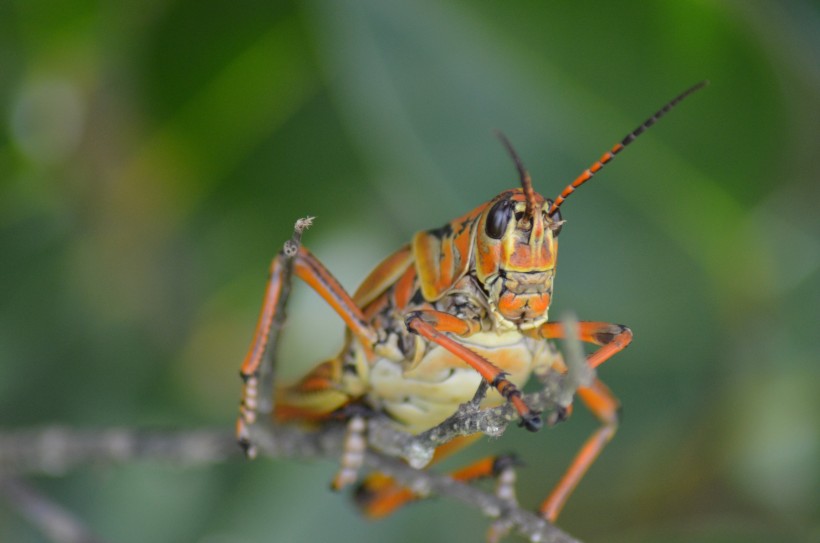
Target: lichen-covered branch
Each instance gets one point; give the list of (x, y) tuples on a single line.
[(58, 450), (267, 368), (54, 521)]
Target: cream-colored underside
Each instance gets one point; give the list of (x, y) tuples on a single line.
[(432, 391)]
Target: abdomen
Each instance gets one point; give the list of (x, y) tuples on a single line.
[(426, 394)]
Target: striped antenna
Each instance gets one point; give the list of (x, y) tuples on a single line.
[(609, 155), (523, 174)]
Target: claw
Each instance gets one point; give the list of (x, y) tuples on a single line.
[(560, 414), (247, 447), (532, 421)]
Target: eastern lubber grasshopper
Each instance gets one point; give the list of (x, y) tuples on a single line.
[(459, 306)]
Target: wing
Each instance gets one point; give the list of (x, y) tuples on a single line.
[(383, 276), (443, 255)]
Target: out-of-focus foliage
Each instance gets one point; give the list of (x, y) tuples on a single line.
[(154, 155)]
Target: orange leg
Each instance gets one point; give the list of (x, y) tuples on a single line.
[(316, 397), (308, 268), (380, 495), (604, 406), (312, 272), (597, 397), (612, 338), (490, 466), (433, 325)]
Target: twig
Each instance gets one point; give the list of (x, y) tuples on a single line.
[(579, 373), (259, 384), (56, 450), (54, 521), (267, 368)]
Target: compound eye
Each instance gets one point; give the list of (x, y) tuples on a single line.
[(498, 218), (556, 222)]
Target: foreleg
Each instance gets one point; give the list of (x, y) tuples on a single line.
[(435, 325)]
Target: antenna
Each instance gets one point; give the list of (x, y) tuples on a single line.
[(523, 174), (609, 155)]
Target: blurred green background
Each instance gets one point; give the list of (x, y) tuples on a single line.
[(155, 154)]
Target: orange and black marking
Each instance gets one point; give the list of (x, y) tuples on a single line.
[(618, 147)]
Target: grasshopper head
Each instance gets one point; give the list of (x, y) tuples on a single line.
[(516, 250)]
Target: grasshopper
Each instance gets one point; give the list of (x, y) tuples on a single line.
[(460, 305)]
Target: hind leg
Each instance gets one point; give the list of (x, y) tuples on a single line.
[(271, 318), (315, 397), (380, 495)]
